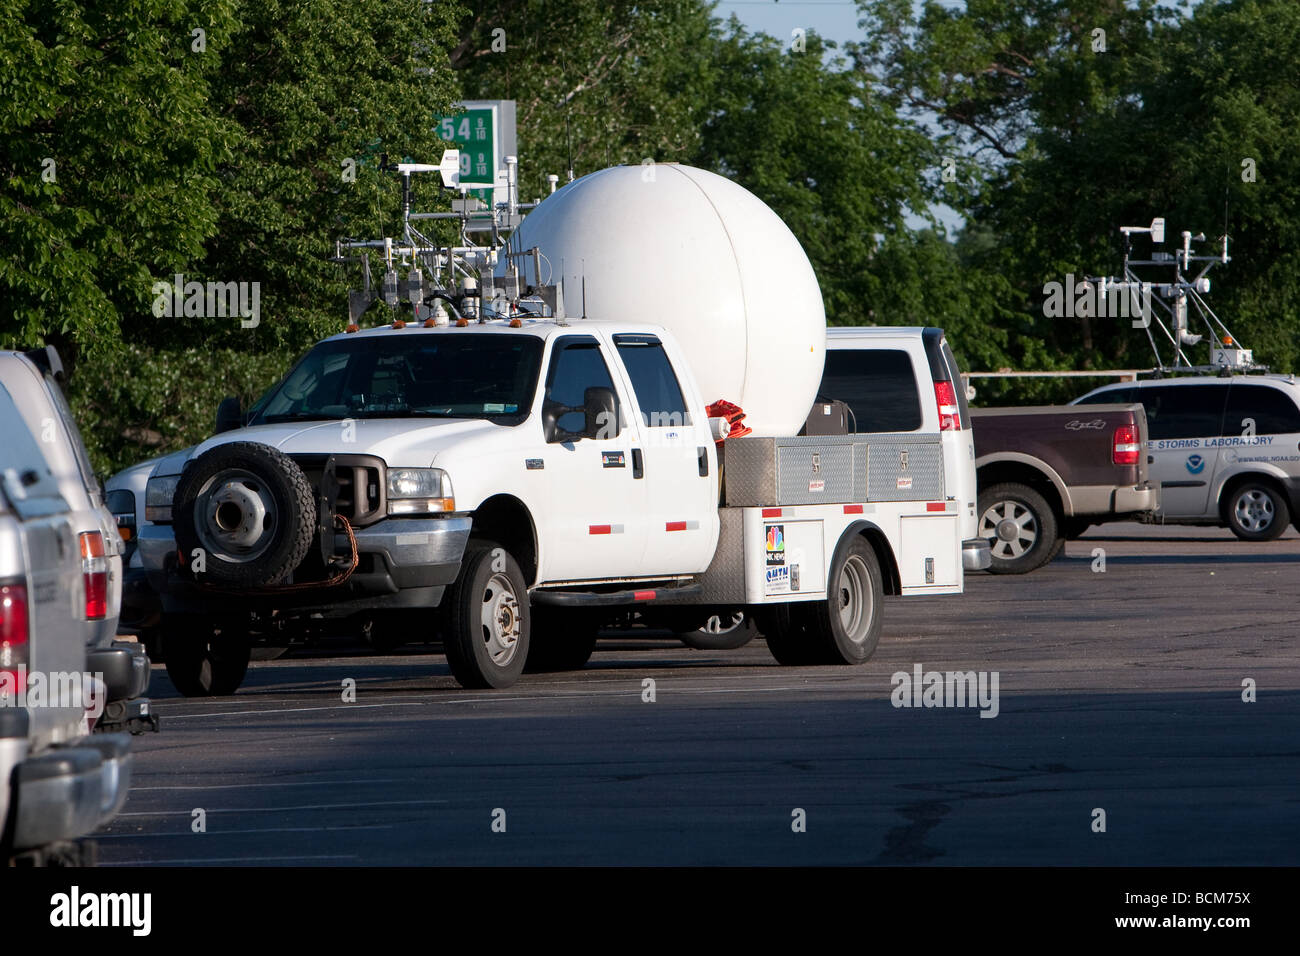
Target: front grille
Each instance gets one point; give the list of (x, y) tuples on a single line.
[(361, 485)]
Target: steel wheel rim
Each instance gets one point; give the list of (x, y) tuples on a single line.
[(1012, 525), (855, 600), (715, 626), (236, 515), (1254, 510), (499, 617)]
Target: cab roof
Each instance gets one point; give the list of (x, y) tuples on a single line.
[(538, 328)]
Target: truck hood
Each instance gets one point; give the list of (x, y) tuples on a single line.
[(400, 442)]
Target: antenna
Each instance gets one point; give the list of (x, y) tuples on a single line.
[(1181, 294)]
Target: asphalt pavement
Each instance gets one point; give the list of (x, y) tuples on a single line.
[(1118, 690)]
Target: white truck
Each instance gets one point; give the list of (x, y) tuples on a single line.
[(504, 482)]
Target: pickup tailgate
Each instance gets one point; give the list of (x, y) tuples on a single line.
[(1076, 442)]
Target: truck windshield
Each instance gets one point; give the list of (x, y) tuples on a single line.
[(461, 375)]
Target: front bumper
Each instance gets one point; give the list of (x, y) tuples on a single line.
[(976, 554), (396, 557)]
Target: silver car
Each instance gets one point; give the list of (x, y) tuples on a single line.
[(58, 783)]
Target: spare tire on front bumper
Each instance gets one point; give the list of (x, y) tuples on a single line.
[(251, 511)]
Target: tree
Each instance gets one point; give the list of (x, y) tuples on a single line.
[(111, 163), (595, 84), (1064, 142)]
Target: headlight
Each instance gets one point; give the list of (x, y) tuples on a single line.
[(419, 491), (158, 494)]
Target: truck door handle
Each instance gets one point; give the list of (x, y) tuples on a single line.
[(638, 465), (703, 454)]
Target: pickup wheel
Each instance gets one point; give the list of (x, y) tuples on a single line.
[(488, 620), (560, 640), (1022, 526), (721, 632), (1257, 512), (251, 510), (845, 628), (203, 661)]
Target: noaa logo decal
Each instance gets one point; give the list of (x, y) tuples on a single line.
[(1195, 464)]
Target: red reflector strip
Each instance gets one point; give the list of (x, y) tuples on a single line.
[(599, 529), (644, 595), (675, 526), (936, 506), (771, 512), (853, 509)]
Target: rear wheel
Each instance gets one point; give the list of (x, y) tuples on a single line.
[(1022, 526), (846, 626), (723, 631), (1257, 512), (488, 622), (203, 661), (561, 640)]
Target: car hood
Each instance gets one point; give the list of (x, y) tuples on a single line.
[(400, 442)]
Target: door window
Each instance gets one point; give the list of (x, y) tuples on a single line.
[(577, 365), (657, 390)]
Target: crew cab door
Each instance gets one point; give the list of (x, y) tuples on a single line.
[(676, 460), (594, 524)]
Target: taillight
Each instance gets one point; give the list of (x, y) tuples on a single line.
[(1126, 447), (13, 640), (949, 412), (94, 573)]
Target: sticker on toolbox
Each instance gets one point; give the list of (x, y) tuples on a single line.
[(777, 581), (775, 545), (816, 486), (905, 483)]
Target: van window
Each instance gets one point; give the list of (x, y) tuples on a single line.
[(1188, 411), (878, 385), (1273, 411)]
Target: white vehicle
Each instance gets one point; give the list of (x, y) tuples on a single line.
[(1225, 450), (907, 380), (505, 483)]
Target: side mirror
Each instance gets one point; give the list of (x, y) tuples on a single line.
[(600, 413), (229, 415)]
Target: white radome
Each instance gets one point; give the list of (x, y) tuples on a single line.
[(692, 251)]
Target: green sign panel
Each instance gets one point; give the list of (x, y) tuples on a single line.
[(473, 132)]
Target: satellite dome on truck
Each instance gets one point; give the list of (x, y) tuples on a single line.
[(703, 257)]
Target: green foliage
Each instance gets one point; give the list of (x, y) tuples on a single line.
[(110, 102), (603, 83), (802, 131), (216, 156), (1062, 144)]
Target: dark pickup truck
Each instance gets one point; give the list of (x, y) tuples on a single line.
[(1047, 473)]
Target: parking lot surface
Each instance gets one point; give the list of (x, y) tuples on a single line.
[(1118, 691)]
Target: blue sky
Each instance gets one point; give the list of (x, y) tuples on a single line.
[(833, 19)]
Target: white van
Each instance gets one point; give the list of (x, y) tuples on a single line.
[(906, 379), (1224, 449)]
